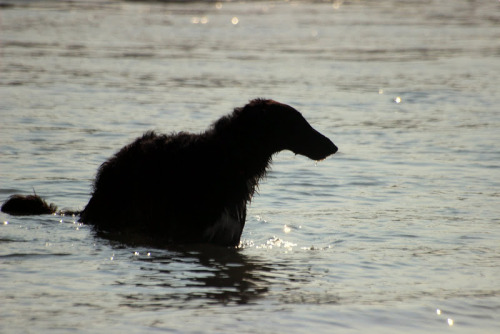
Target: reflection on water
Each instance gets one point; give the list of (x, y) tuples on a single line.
[(196, 276), (201, 275)]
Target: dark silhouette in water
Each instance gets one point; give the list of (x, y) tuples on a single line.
[(19, 205), (186, 187)]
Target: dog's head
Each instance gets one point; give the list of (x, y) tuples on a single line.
[(287, 129)]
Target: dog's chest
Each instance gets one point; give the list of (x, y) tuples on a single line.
[(227, 229)]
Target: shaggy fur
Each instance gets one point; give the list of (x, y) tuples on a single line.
[(188, 187), (19, 205)]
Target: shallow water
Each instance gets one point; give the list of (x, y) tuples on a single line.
[(399, 231)]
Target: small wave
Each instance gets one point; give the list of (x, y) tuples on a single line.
[(32, 255)]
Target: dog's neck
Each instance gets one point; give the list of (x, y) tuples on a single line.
[(252, 158), (247, 142)]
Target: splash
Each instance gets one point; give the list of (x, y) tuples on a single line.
[(276, 242)]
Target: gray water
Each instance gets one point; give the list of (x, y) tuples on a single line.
[(397, 232)]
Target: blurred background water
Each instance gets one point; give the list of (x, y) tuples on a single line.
[(399, 231)]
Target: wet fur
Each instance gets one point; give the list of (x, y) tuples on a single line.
[(19, 205), (186, 187)]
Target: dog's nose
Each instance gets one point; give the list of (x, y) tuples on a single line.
[(334, 148)]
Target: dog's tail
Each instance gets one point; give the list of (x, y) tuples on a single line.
[(24, 205)]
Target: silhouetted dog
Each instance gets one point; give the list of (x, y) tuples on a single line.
[(188, 187)]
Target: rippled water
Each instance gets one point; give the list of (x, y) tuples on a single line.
[(399, 231)]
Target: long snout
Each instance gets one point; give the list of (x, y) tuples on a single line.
[(315, 146)]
